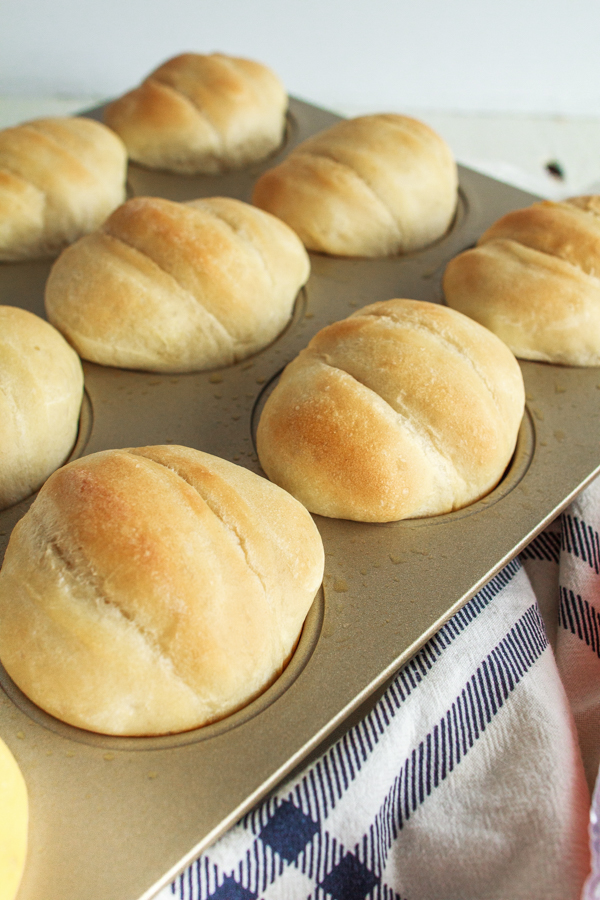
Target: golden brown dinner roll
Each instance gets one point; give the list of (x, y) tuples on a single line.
[(13, 824), (154, 590), (177, 287), (404, 409), (59, 179), (370, 186), (41, 388), (534, 280), (202, 114)]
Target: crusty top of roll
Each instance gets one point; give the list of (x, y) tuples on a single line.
[(404, 409), (534, 280), (154, 590), (202, 114), (13, 824), (41, 388), (59, 179), (176, 287), (371, 186)]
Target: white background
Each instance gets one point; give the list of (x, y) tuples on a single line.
[(454, 55)]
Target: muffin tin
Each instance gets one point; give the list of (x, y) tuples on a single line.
[(118, 818)]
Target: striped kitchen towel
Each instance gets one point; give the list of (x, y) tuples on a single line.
[(467, 780)]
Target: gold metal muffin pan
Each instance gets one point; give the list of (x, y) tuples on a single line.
[(118, 818)]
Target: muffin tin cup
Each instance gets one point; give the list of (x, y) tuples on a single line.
[(119, 818)]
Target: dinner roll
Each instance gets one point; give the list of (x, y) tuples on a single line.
[(202, 114), (154, 590), (177, 287), (59, 179), (13, 824), (534, 280), (41, 388), (404, 409), (371, 186)]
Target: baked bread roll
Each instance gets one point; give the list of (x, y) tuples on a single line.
[(13, 824), (177, 287), (404, 409), (371, 186), (154, 590), (41, 389), (202, 114), (59, 179), (534, 280)]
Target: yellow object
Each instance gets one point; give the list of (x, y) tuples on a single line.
[(13, 824)]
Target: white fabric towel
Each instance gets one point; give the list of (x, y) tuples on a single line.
[(467, 781)]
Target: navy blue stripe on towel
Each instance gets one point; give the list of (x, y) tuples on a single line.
[(438, 754), (580, 618), (581, 540), (545, 547)]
